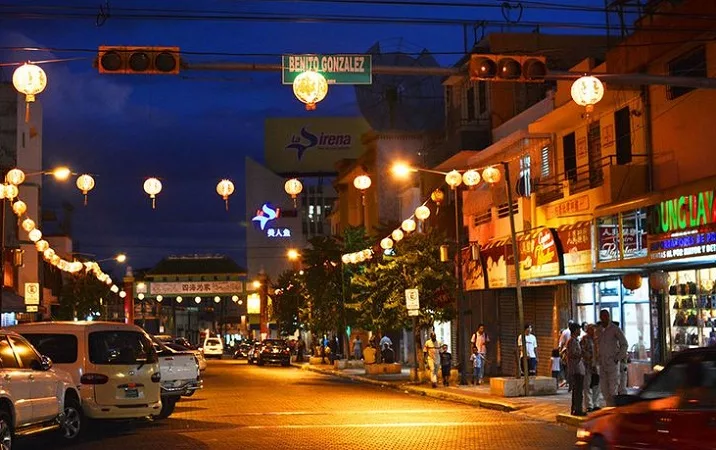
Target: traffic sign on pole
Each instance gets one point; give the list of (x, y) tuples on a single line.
[(337, 69), (412, 299)]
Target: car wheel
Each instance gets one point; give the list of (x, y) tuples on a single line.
[(72, 423), (598, 443), (168, 405), (6, 433)]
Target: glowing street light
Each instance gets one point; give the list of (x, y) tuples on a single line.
[(402, 170), (293, 254)]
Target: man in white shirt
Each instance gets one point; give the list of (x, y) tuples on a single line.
[(432, 357), (612, 348), (531, 342)]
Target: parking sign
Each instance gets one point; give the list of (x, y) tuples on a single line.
[(412, 299)]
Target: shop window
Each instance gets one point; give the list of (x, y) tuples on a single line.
[(691, 64), (691, 303), (634, 228), (627, 242), (546, 163)]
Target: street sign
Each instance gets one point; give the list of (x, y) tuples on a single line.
[(412, 299), (32, 294), (32, 308), (413, 312), (338, 69)]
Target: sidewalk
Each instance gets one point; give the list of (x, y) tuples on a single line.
[(552, 408)]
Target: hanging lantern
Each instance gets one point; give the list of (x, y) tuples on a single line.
[(354, 258), (55, 260), (659, 281), (160, 298), (35, 235), (197, 300), (217, 299), (491, 175), (15, 176), (30, 80), (19, 207), (397, 235), (444, 253), (293, 187), (85, 183), (42, 245), (408, 225), (367, 253), (453, 179), (360, 256), (632, 281), (362, 182), (48, 254), (471, 178), (152, 186), (386, 243), (2, 191), (422, 212), (28, 225), (346, 259), (587, 91), (179, 299), (310, 88), (438, 196), (11, 191), (224, 189)]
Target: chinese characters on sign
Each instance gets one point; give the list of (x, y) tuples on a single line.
[(577, 245), (278, 232), (569, 207), (632, 241), (199, 287), (266, 214), (539, 255)]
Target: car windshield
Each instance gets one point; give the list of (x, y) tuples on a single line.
[(695, 371), (213, 342), (120, 347)]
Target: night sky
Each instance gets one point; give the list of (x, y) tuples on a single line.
[(193, 129)]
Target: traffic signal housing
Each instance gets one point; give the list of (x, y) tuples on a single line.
[(532, 69), (138, 60)]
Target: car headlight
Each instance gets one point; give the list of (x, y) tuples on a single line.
[(583, 434)]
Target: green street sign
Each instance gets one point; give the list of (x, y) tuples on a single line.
[(338, 69)]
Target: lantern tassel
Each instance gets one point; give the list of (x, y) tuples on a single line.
[(226, 201), (154, 203), (85, 199), (27, 112), (295, 205)]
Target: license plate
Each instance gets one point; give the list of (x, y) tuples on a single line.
[(131, 393)]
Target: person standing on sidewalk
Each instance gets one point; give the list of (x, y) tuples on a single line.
[(445, 364), (591, 374), (575, 370), (480, 340), (432, 356), (531, 342), (357, 348), (478, 366), (612, 347)]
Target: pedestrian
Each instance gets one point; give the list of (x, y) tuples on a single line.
[(591, 371), (531, 342), (333, 347), (387, 354), (445, 364), (575, 370), (480, 340), (612, 347), (357, 348), (556, 365), (385, 340), (562, 345), (478, 366), (300, 346), (432, 357)]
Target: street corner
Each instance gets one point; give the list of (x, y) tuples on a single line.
[(570, 420)]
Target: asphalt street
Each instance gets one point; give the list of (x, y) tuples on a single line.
[(249, 407)]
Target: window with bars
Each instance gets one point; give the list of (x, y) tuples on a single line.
[(546, 162), (691, 64), (482, 218)]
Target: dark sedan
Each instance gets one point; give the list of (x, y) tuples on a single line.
[(274, 351)]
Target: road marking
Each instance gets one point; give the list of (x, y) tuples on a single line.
[(391, 425), (370, 411)]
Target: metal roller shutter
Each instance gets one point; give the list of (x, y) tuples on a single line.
[(508, 337)]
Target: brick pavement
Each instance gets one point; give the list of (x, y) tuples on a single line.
[(249, 407)]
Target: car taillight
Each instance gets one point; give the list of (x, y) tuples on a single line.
[(94, 378), (156, 377)]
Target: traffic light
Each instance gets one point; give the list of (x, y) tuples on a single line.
[(138, 60), (508, 68)]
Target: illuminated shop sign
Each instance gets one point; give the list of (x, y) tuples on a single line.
[(683, 245), (265, 218), (682, 213)]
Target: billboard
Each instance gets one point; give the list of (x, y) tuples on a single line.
[(310, 145)]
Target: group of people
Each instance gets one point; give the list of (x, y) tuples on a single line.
[(595, 360), (439, 360), (370, 354)]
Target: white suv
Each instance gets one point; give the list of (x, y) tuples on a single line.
[(213, 347), (34, 397)]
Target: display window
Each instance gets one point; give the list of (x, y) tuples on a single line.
[(691, 303)]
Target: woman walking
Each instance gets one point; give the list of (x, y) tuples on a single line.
[(575, 370)]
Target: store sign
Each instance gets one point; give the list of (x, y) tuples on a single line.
[(573, 206), (682, 213), (700, 242), (539, 255), (196, 287), (305, 140), (253, 304), (577, 246), (265, 216), (32, 294), (473, 275), (499, 264), (337, 69), (613, 246)]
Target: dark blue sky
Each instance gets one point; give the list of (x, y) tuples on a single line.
[(194, 129)]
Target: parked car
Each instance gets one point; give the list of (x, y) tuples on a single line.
[(113, 364), (213, 348), (675, 409), (252, 356), (197, 353), (34, 397), (274, 351), (242, 351), (180, 376)]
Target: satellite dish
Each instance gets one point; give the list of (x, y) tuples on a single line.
[(391, 102)]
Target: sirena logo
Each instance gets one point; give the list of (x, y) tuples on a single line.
[(308, 140)]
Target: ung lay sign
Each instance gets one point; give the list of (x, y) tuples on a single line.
[(682, 213), (338, 69)]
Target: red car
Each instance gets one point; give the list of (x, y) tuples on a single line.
[(676, 409)]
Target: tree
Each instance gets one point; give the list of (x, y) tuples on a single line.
[(80, 296), (289, 302), (379, 291)]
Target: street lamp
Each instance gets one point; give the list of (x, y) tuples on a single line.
[(292, 254)]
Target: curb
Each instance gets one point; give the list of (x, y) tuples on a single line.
[(426, 392), (570, 420)]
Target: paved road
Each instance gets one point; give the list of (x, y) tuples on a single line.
[(249, 407)]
